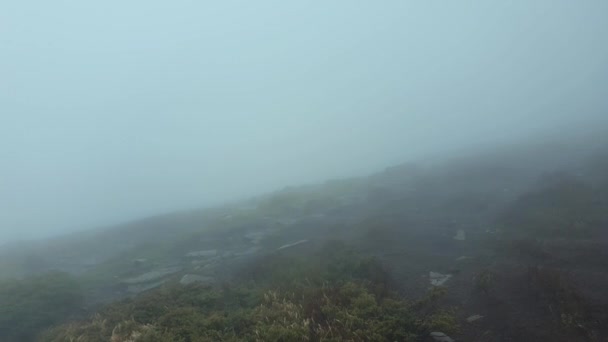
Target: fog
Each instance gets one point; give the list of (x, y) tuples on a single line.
[(113, 110)]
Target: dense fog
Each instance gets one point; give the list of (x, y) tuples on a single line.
[(112, 111)]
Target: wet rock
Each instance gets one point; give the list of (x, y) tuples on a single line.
[(152, 275), (198, 262), (285, 221), (138, 288), (248, 251), (202, 254), (208, 268), (289, 245), (460, 235), (473, 318), (438, 279), (195, 278), (256, 237), (441, 337), (139, 261)]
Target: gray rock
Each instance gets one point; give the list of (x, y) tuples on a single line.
[(292, 244), (441, 337), (474, 318), (202, 254), (199, 262), (137, 288), (256, 237), (460, 235), (195, 278), (248, 251), (438, 279), (152, 275), (285, 221)]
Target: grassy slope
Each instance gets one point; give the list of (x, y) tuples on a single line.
[(401, 214)]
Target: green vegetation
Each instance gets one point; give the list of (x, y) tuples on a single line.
[(484, 281), (562, 300), (32, 304), (334, 296), (563, 208)]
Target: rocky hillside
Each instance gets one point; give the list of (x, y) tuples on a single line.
[(503, 246)]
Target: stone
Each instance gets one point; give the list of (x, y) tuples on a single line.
[(138, 288), (249, 251), (256, 237), (441, 337), (473, 318), (289, 245), (152, 275), (460, 235), (195, 278), (438, 279), (202, 254)]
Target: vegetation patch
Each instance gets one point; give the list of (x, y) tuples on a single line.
[(565, 207), (335, 296), (32, 304)]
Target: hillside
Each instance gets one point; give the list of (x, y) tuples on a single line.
[(506, 245)]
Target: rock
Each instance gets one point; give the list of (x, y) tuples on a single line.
[(248, 251), (152, 275), (292, 244), (285, 221), (463, 258), (197, 262), (256, 237), (441, 337), (473, 318), (202, 254), (460, 235), (438, 279), (138, 288), (195, 278)]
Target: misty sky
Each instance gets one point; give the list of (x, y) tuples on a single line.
[(112, 110)]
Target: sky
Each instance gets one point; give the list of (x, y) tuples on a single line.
[(114, 110)]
